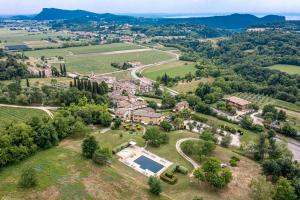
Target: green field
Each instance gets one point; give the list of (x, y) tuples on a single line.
[(98, 59), (82, 50), (178, 68), (9, 115), (185, 87), (21, 36), (290, 69)]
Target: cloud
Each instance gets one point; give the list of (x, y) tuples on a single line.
[(152, 6)]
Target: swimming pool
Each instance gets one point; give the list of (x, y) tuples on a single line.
[(147, 163)]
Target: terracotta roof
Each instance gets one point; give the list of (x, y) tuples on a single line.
[(147, 112), (238, 101)]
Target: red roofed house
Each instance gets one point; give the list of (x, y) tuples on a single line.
[(237, 102)]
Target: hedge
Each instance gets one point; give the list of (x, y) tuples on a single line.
[(199, 118), (168, 175), (120, 148)]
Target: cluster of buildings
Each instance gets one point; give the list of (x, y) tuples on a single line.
[(129, 107)]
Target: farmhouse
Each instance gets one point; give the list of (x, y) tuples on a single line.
[(181, 106), (237, 102), (147, 116)]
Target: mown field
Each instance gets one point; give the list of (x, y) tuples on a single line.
[(185, 87), (290, 69), (177, 68), (9, 115), (98, 58), (64, 174), (82, 50), (21, 36), (99, 63)]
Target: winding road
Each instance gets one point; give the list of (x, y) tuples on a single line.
[(46, 109)]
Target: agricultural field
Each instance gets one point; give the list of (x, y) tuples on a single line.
[(290, 69), (177, 68), (185, 87), (100, 63), (9, 115), (98, 58), (22, 36)]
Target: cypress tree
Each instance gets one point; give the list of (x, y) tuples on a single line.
[(65, 70), (61, 70), (71, 84), (27, 82)]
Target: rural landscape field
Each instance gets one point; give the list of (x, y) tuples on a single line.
[(149, 106)]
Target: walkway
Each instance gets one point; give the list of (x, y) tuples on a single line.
[(43, 108), (178, 148)]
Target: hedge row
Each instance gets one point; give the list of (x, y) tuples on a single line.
[(120, 147), (168, 175)]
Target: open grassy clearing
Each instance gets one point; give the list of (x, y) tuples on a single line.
[(64, 174), (99, 63), (185, 87), (39, 82), (290, 69), (9, 115), (152, 99), (177, 68), (262, 100)]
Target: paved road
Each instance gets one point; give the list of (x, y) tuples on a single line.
[(178, 143), (43, 108)]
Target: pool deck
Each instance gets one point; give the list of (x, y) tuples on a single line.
[(130, 154)]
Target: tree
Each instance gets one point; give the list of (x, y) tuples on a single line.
[(261, 189), (89, 146), (155, 137), (261, 147), (117, 123), (27, 82), (247, 123), (213, 174), (101, 156), (281, 116), (28, 178), (288, 130), (153, 105), (284, 190), (208, 135), (166, 126), (154, 185)]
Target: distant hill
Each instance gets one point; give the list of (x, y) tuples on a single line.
[(234, 21)]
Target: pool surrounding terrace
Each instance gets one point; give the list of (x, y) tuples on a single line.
[(143, 161)]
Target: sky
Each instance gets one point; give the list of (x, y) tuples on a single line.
[(11, 7)]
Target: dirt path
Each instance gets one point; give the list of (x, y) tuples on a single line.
[(43, 108), (178, 148)]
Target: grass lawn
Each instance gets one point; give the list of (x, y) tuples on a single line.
[(177, 68), (290, 69), (9, 115), (64, 174), (185, 87), (152, 99)]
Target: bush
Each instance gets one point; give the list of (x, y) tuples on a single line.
[(182, 169), (235, 158), (28, 178), (120, 147), (102, 156), (154, 184), (199, 118), (233, 163), (167, 179)]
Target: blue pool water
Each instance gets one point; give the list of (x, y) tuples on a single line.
[(147, 163)]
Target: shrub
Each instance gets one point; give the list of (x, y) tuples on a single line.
[(235, 158), (154, 184), (233, 163), (28, 178), (102, 156)]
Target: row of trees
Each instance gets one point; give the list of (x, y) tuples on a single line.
[(91, 86)]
